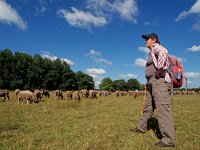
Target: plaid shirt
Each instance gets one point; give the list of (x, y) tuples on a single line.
[(160, 59)]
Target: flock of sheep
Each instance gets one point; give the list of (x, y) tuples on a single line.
[(27, 96)]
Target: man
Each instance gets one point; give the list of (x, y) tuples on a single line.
[(157, 96)]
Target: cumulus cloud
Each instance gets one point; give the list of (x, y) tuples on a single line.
[(51, 57), (82, 19), (129, 75), (92, 53), (10, 16), (140, 62), (98, 12), (96, 73), (179, 58), (192, 75), (195, 9), (96, 57), (194, 48), (144, 49), (126, 9)]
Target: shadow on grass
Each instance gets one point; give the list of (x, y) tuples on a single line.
[(152, 124)]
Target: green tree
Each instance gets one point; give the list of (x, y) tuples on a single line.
[(47, 80), (21, 69), (84, 81), (120, 85), (36, 72), (68, 77), (6, 62), (106, 84), (133, 84)]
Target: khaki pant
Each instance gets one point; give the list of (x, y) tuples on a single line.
[(158, 97)]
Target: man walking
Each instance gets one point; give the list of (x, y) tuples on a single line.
[(157, 95)]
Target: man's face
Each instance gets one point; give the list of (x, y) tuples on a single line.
[(149, 42)]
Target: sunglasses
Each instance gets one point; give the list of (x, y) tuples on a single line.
[(146, 39)]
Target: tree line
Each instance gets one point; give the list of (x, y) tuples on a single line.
[(120, 85), (23, 71)]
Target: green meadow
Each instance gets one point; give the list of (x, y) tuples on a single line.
[(99, 124)]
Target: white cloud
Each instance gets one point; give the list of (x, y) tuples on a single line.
[(97, 74), (67, 61), (103, 61), (92, 53), (127, 9), (10, 16), (129, 75), (82, 19), (95, 56), (194, 48), (144, 49), (95, 71), (192, 75), (97, 82), (140, 62), (153, 22), (179, 58), (51, 57), (196, 26), (195, 9)]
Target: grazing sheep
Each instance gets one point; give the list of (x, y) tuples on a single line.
[(69, 94), (76, 96), (92, 94), (27, 96), (38, 95), (17, 92), (59, 94), (45, 93), (85, 93), (4, 93)]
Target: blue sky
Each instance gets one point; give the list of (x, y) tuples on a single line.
[(103, 37)]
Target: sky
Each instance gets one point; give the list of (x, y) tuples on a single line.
[(103, 37)]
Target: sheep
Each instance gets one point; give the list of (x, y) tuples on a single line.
[(28, 96), (4, 93)]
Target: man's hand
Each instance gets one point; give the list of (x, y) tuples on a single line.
[(160, 73)]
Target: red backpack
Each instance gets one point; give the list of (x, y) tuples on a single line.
[(175, 71)]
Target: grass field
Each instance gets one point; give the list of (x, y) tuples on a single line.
[(100, 124)]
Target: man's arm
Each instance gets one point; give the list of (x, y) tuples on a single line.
[(161, 54)]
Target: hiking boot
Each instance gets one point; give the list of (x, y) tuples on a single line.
[(162, 144), (136, 130)]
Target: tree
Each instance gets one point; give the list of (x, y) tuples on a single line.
[(84, 81), (133, 84), (120, 85), (36, 72), (23, 71), (68, 77), (6, 63), (106, 84)]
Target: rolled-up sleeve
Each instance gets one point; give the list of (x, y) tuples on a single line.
[(160, 58), (161, 54)]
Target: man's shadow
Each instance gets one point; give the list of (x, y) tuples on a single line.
[(152, 124)]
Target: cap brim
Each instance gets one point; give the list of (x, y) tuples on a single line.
[(144, 36)]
